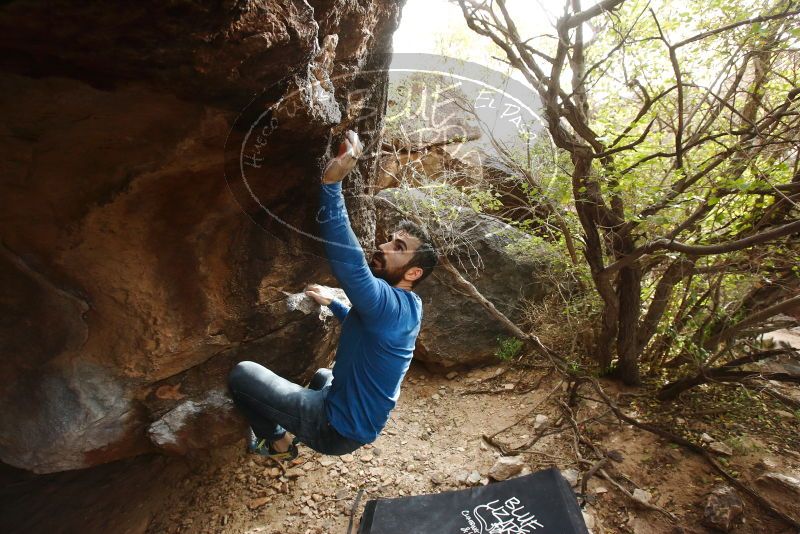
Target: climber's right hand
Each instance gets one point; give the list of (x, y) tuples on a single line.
[(322, 295)]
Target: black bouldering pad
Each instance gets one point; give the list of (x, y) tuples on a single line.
[(541, 502)]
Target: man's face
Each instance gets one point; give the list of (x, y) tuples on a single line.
[(389, 260)]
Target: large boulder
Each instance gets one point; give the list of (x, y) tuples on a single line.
[(457, 330), (133, 276)]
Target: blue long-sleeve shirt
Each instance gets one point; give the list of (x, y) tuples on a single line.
[(339, 309), (378, 332)]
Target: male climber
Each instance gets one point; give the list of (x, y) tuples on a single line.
[(347, 407)]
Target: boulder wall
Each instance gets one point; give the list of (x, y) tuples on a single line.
[(133, 275)]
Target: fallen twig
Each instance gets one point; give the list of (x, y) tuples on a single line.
[(551, 456), (544, 431), (353, 509), (590, 473), (785, 399), (486, 391), (593, 418), (279, 464), (535, 385)]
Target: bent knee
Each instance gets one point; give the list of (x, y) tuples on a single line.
[(241, 371)]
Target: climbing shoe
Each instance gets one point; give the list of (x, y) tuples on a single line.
[(263, 447)]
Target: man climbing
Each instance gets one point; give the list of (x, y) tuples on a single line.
[(347, 407)]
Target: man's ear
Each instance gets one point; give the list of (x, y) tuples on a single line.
[(413, 273)]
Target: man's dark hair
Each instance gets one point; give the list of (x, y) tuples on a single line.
[(425, 257)]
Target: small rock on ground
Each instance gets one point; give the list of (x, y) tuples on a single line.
[(642, 495), (723, 509), (506, 467), (540, 420), (720, 448), (571, 475)]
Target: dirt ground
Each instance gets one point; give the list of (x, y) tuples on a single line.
[(432, 443)]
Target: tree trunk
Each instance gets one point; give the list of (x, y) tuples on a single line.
[(602, 352), (629, 292)]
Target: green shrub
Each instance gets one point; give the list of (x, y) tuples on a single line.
[(508, 348)]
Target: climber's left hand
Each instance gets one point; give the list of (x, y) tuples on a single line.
[(349, 151), (322, 295)]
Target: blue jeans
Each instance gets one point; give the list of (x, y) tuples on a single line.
[(274, 405)]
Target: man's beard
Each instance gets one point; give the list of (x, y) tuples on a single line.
[(378, 267)]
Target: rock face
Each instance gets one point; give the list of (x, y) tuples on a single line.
[(131, 278), (456, 330), (200, 424)]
